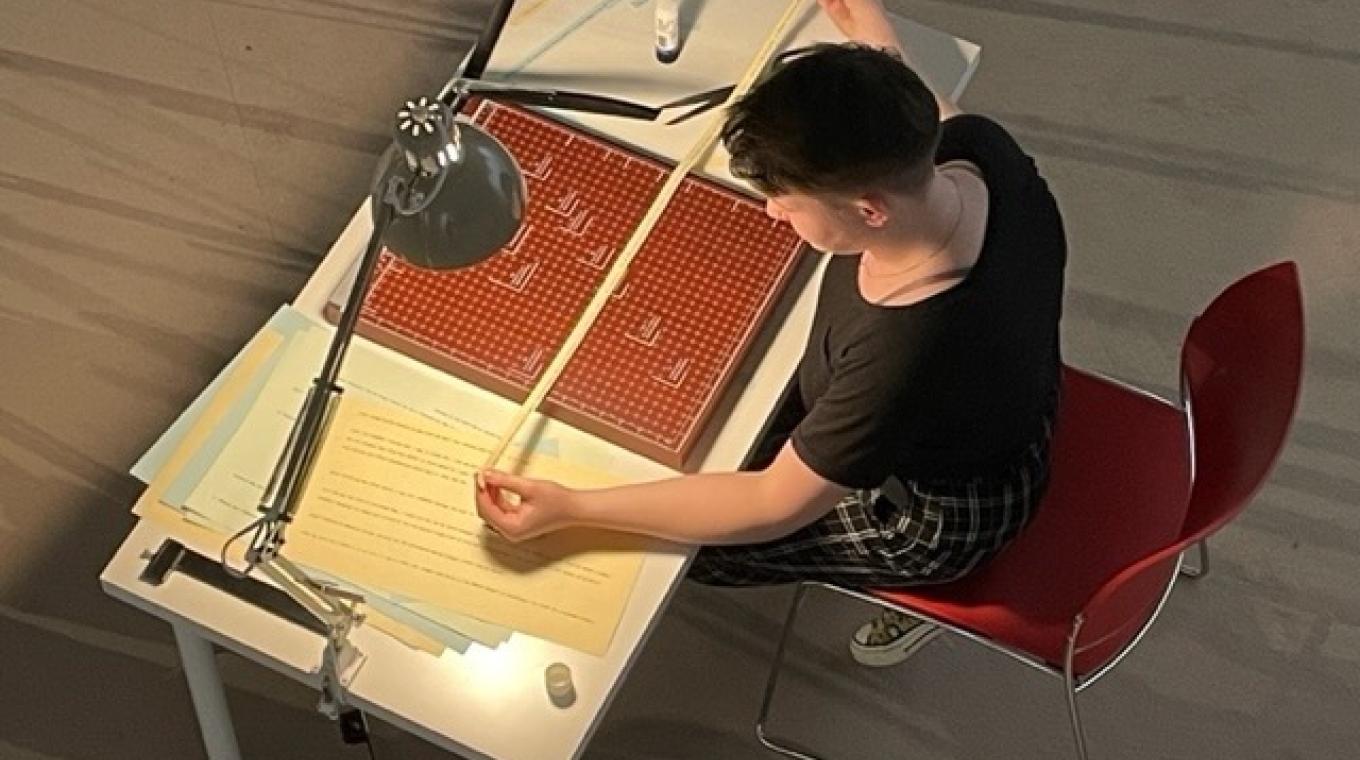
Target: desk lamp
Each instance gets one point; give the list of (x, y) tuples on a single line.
[(446, 195)]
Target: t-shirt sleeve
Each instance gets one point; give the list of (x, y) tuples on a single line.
[(786, 417), (976, 138), (854, 431)]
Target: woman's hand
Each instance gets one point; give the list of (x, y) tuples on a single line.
[(858, 20), (522, 508)]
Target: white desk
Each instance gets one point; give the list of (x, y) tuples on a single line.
[(479, 704)]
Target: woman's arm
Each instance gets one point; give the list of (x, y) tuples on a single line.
[(719, 508), (866, 22)]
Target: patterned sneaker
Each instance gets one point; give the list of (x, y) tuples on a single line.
[(890, 638)]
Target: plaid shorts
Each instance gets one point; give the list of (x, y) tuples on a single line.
[(919, 532)]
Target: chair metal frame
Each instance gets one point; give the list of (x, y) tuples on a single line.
[(1072, 683), (1158, 559)]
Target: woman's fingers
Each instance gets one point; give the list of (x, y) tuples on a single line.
[(506, 480), (500, 517), (499, 506), (518, 508), (506, 490)]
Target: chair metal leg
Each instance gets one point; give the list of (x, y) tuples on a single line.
[(1200, 568), (764, 738), (1069, 678), (1070, 684)]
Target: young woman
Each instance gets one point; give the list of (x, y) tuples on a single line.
[(914, 442)]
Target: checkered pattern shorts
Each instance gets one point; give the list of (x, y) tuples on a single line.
[(927, 533)]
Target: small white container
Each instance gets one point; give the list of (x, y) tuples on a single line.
[(557, 680), (667, 30)]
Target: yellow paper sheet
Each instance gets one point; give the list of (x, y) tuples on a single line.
[(150, 506), (207, 541), (228, 495), (390, 504)]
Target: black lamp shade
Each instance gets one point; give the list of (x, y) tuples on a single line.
[(477, 209)]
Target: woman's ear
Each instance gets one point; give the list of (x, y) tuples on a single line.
[(872, 209)]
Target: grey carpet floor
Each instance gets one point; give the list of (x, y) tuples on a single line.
[(170, 170)]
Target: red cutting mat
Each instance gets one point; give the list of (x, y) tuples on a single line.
[(655, 364)]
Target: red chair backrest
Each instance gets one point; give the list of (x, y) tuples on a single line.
[(1241, 366), (1105, 433)]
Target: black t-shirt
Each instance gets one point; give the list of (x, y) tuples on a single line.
[(954, 386)]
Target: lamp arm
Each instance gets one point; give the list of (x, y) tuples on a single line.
[(338, 610), (335, 608), (465, 83), (552, 98), (279, 500), (486, 41)]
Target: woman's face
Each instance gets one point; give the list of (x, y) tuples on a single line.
[(827, 224)]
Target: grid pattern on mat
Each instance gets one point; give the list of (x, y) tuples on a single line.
[(656, 361)]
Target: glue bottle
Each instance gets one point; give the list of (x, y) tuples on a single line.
[(667, 30)]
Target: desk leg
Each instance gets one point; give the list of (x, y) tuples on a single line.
[(210, 699)]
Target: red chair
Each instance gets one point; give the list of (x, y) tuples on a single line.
[(1134, 483)]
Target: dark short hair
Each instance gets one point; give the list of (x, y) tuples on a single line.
[(835, 118)]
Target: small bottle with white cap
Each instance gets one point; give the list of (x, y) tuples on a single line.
[(667, 30)]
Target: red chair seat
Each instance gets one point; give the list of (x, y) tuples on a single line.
[(1102, 552), (1120, 458)]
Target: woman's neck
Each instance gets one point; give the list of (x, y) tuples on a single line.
[(925, 228)]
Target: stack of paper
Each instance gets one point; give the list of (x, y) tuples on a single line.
[(388, 509)]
